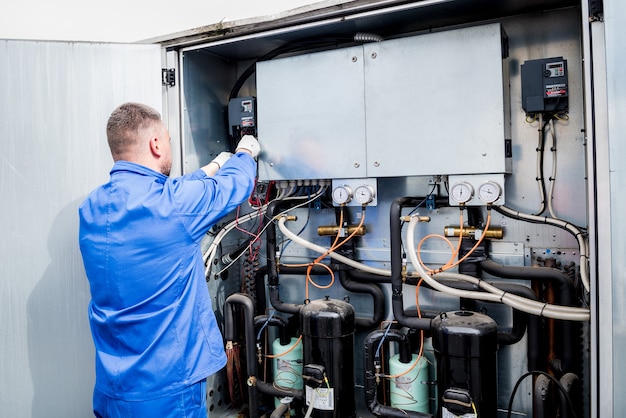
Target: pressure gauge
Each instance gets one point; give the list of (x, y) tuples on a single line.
[(364, 194), (462, 192), (489, 192), (342, 194)]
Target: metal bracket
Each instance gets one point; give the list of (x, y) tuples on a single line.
[(168, 77), (596, 10)]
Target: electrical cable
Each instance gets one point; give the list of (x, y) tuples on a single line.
[(553, 175), (552, 378), (265, 324), (210, 253), (539, 177)]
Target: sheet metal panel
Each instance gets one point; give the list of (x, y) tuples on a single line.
[(435, 103), (421, 105), (312, 116), (55, 99)]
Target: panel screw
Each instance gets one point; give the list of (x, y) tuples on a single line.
[(357, 165), (376, 164), (354, 59), (373, 55)]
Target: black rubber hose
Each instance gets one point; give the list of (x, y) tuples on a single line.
[(395, 231), (276, 321), (370, 386), (229, 333), (281, 306), (364, 276), (370, 289), (353, 286), (270, 241), (271, 390), (566, 297), (275, 301), (566, 286), (272, 267), (261, 295)]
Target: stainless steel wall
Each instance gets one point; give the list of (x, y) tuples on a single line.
[(612, 283), (55, 99)]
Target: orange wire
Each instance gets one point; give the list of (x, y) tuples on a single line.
[(450, 264), (332, 248), (287, 351), (482, 237), (419, 355), (419, 248)]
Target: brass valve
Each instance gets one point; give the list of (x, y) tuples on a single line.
[(494, 232), (332, 230)]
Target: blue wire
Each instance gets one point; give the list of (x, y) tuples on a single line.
[(258, 337), (380, 344)]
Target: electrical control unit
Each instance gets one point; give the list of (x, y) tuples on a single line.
[(545, 86), (242, 117)]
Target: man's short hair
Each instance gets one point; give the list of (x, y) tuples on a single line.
[(125, 124)]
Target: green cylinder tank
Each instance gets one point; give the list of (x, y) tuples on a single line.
[(287, 365), (410, 391)]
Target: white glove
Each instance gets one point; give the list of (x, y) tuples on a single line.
[(221, 158), (248, 142)]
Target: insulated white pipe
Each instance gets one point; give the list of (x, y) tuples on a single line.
[(582, 243), (493, 293), (322, 250)]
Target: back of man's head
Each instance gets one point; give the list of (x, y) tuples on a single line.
[(125, 127)]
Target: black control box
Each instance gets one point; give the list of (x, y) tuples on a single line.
[(242, 117), (544, 85)]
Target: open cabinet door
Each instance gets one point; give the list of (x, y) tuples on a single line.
[(55, 99)]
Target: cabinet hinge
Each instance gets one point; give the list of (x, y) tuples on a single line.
[(596, 10), (168, 77)]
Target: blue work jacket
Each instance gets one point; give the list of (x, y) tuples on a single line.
[(151, 314)]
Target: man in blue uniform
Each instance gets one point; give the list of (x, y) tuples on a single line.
[(151, 315)]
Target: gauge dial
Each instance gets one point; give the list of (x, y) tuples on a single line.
[(489, 192), (462, 192), (364, 194), (342, 195)]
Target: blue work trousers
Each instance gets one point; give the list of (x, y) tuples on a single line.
[(188, 403)]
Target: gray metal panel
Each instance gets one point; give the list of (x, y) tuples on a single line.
[(316, 101), (435, 104), (311, 116), (614, 170), (55, 99), (204, 88)]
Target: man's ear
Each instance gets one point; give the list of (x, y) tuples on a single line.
[(155, 146)]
